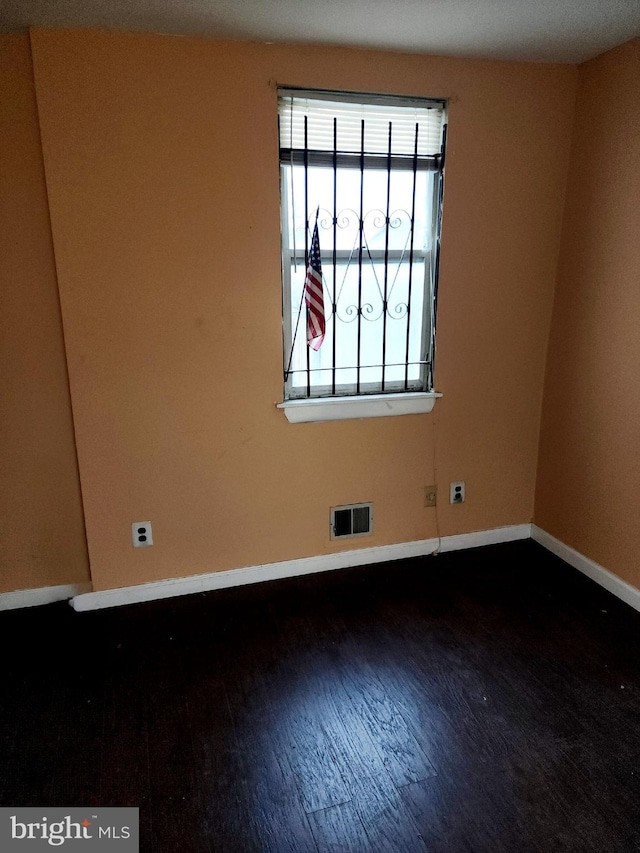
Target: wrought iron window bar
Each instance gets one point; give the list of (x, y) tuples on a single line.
[(360, 221)]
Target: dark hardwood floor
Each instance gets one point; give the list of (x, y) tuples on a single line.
[(480, 701)]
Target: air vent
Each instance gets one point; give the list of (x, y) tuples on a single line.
[(350, 521)]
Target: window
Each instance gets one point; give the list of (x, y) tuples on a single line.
[(365, 174)]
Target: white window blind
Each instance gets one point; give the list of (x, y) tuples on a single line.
[(320, 112)]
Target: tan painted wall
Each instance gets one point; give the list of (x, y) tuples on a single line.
[(161, 166), (589, 474), (42, 542)]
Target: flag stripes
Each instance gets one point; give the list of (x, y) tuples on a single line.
[(314, 296)]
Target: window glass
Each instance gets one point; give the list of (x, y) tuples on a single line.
[(378, 221)]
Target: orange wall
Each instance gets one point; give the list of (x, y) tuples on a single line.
[(161, 167), (589, 475), (42, 541)]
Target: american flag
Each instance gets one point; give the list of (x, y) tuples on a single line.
[(313, 295)]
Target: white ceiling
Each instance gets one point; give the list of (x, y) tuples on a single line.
[(537, 30)]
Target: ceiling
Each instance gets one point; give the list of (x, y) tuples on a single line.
[(536, 30)]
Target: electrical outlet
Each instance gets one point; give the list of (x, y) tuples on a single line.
[(430, 495), (456, 492), (141, 534)]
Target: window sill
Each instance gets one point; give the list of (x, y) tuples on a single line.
[(370, 406)]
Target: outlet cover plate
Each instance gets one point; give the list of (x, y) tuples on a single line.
[(457, 492), (430, 495), (141, 534)]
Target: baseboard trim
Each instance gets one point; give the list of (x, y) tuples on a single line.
[(293, 568), (42, 595), (485, 537), (83, 598), (621, 589)]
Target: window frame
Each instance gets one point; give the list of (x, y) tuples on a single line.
[(367, 399)]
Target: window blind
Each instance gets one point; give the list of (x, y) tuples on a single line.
[(320, 110)]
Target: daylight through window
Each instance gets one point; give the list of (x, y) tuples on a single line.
[(365, 174)]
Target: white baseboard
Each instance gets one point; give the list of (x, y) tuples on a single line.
[(41, 595), (82, 598), (250, 574), (293, 568), (621, 589), (485, 537)]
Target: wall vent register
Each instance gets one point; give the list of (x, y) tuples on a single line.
[(350, 521)]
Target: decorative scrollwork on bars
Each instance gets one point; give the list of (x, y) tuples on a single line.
[(391, 260)]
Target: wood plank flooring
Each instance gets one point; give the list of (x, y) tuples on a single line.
[(476, 702)]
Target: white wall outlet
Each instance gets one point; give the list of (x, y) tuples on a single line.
[(456, 492), (141, 534)]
